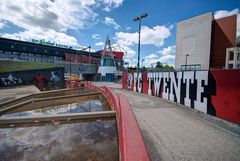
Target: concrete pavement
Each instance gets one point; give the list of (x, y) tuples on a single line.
[(171, 131), (175, 132), (17, 92)]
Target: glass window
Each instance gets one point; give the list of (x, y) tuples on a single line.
[(191, 67)]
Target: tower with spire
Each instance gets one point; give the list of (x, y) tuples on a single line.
[(107, 66)]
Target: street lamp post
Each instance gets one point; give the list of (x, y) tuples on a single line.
[(186, 62), (89, 59), (142, 62), (139, 18), (70, 65)]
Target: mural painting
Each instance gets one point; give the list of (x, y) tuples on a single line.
[(196, 89), (40, 77)]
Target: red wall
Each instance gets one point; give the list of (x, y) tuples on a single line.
[(80, 58), (227, 99), (84, 59), (223, 36)]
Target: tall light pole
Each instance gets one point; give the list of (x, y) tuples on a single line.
[(89, 59), (142, 62), (139, 18), (70, 65), (186, 62)]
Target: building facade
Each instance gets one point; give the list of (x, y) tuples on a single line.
[(193, 42), (27, 51), (201, 42)]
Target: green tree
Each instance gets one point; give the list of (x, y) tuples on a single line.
[(159, 65)]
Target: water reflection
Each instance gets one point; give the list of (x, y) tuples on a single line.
[(85, 106), (65, 142)]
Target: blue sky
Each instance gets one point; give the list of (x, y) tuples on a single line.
[(88, 22)]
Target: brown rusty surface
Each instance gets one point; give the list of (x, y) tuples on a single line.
[(43, 104), (84, 141), (223, 36), (18, 92)]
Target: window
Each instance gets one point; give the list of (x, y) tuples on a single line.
[(191, 67), (107, 62), (12, 46)]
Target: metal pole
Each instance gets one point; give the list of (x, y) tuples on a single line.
[(81, 56), (76, 57), (89, 61), (186, 62), (70, 65), (139, 36), (142, 62)]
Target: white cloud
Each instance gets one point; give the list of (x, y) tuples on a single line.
[(151, 56), (149, 36), (168, 50), (3, 24), (99, 43), (166, 58), (58, 37), (129, 52), (128, 28), (96, 36), (152, 59), (225, 13), (111, 22), (40, 18), (132, 62), (109, 4), (57, 15)]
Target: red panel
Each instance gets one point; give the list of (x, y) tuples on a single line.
[(80, 58), (124, 80), (145, 83), (119, 55), (132, 81), (227, 99)]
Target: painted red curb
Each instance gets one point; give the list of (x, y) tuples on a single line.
[(131, 144), (134, 148)]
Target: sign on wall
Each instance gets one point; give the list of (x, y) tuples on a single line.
[(195, 89)]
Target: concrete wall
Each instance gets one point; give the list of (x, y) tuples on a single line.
[(194, 38)]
